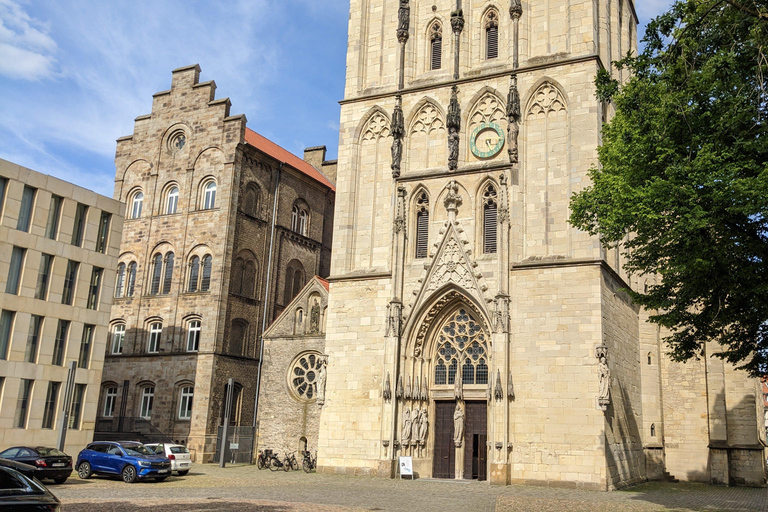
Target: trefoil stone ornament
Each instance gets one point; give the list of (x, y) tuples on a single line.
[(398, 129), (604, 377), (403, 21), (499, 393), (387, 393), (513, 120)]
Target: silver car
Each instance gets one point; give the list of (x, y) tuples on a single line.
[(181, 461)]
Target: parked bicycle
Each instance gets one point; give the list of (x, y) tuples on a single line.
[(309, 463), (290, 462), (262, 461)]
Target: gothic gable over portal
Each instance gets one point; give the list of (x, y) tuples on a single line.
[(305, 314)]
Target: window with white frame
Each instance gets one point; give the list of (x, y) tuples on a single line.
[(172, 201), (193, 336), (209, 195), (147, 402), (120, 281), (137, 202), (118, 337), (131, 283), (185, 402), (155, 331), (110, 400)]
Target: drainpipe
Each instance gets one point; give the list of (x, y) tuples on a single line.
[(266, 294)]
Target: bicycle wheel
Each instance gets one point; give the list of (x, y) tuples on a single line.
[(274, 464), (260, 463), (294, 464), (286, 464), (307, 465)]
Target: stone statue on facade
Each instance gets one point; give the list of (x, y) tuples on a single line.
[(405, 436), (513, 121), (403, 21), (458, 426), (398, 129), (454, 126), (314, 318), (387, 393), (515, 9), (604, 374), (399, 389), (321, 378), (510, 388), (423, 426)]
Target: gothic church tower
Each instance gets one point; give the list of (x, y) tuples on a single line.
[(470, 327)]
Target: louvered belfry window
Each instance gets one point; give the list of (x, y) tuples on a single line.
[(489, 220), (491, 35), (422, 225), (436, 46)]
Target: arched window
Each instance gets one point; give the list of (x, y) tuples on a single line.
[(299, 220), (234, 416), (251, 201), (238, 269), (157, 274), (110, 400), (489, 219), (653, 430), (249, 278), (168, 278), (205, 282), (462, 343), (650, 359), (147, 402), (185, 402), (193, 336), (118, 339), (155, 331), (299, 322), (131, 284), (422, 225), (172, 201), (120, 282), (435, 46), (194, 273), (294, 281), (237, 337), (209, 195), (491, 34), (137, 202)]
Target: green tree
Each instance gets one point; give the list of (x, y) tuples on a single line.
[(682, 184)]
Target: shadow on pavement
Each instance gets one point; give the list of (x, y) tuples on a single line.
[(201, 506)]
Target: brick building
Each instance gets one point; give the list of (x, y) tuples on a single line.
[(194, 284), (57, 265)]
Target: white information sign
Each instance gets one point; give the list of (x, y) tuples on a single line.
[(234, 446), (405, 465)]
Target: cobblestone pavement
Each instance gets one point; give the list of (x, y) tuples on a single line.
[(245, 489)]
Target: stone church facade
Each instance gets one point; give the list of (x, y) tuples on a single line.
[(469, 325), (223, 228)]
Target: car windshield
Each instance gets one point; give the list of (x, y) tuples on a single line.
[(179, 449), (137, 450), (12, 482), (47, 452)]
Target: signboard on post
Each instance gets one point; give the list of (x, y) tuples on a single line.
[(405, 467)]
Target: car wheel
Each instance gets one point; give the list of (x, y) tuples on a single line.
[(60, 481), (160, 479), (129, 474), (183, 473), (84, 470)]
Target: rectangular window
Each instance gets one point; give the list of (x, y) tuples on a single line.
[(118, 337), (85, 346), (103, 236), (6, 325), (79, 227), (185, 403), (422, 234), (54, 214), (25, 211), (3, 187), (492, 41), (22, 404), (193, 336), (110, 400), (147, 402), (33, 338), (70, 278), (43, 277), (49, 413), (60, 343), (155, 330), (77, 407), (93, 289), (14, 270), (489, 237)]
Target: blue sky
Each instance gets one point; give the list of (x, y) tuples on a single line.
[(75, 73)]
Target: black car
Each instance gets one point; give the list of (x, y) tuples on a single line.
[(50, 462), (22, 494)]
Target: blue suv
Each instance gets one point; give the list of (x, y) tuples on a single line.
[(129, 459)]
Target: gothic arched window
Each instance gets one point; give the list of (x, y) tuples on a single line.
[(491, 34), (435, 46), (120, 284), (157, 274), (172, 201), (131, 283), (462, 343), (205, 282), (194, 273), (422, 225), (490, 209), (168, 278)]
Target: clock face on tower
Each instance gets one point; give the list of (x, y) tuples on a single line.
[(486, 140)]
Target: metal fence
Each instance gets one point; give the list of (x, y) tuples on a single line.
[(129, 428), (239, 445)]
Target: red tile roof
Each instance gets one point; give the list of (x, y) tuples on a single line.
[(323, 282), (267, 146)]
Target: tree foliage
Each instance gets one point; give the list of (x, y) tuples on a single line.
[(682, 185)]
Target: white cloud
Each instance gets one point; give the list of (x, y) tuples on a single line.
[(26, 48)]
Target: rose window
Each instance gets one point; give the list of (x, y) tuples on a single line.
[(462, 343), (303, 376)]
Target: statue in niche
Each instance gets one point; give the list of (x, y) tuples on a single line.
[(407, 426), (513, 120), (403, 21), (423, 426), (454, 126), (321, 378), (398, 128), (314, 317), (458, 426), (604, 374), (458, 386)]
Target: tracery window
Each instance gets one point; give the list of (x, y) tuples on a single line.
[(462, 343), (435, 46), (490, 209), (422, 225), (303, 376)]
